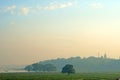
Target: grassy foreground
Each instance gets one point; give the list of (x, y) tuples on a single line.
[(59, 76)]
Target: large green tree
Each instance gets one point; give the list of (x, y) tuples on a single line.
[(68, 69)]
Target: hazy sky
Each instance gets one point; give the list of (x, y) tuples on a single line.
[(35, 30)]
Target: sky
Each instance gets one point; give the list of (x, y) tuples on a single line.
[(37, 30)]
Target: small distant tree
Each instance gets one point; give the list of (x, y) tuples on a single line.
[(68, 69), (28, 68)]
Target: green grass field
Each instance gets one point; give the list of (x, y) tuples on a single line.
[(59, 76)]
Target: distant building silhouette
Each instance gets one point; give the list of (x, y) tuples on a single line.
[(105, 56)]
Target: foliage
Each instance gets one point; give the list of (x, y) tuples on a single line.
[(90, 64), (39, 67), (28, 68), (68, 69)]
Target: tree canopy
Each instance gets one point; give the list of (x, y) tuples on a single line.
[(88, 64), (40, 67), (68, 69)]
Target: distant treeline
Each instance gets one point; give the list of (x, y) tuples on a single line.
[(90, 64), (39, 67)]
